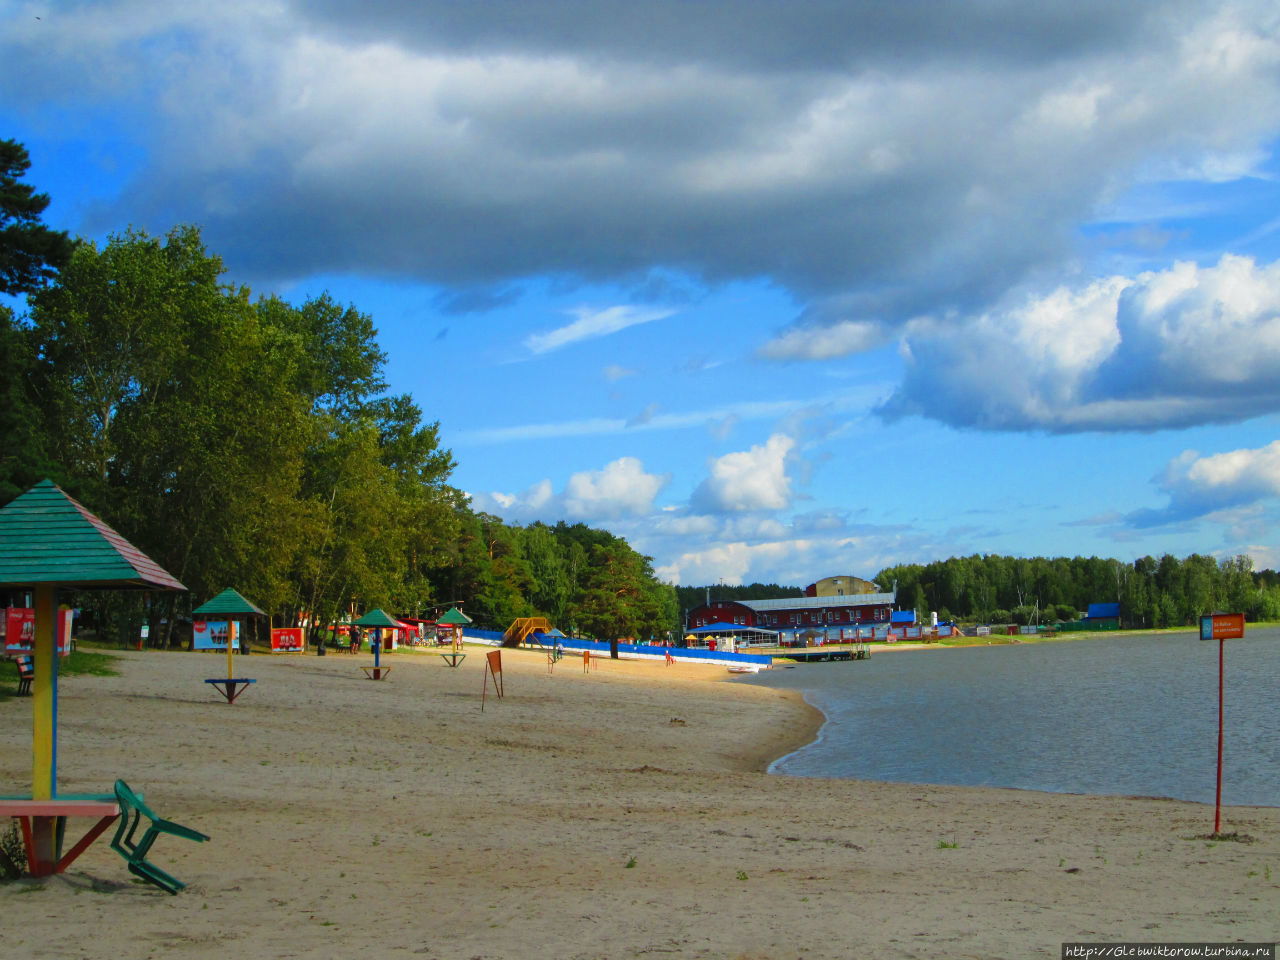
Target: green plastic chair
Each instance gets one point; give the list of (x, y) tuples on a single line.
[(132, 810)]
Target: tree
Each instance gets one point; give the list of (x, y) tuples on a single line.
[(30, 253)]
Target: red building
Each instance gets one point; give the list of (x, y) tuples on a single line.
[(832, 614)]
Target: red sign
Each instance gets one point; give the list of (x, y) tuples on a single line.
[(1222, 626), (20, 630), (286, 639)]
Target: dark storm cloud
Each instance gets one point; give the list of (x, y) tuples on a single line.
[(879, 162), (746, 34)]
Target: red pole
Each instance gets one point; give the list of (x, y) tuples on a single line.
[(1217, 807)]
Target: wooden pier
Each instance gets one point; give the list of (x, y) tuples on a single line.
[(825, 654)]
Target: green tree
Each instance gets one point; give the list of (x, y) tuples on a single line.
[(31, 254)]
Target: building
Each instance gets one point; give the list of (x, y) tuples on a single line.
[(840, 587), (844, 616)]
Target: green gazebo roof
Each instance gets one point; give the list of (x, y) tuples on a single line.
[(454, 618), (228, 602), (48, 537), (377, 618)]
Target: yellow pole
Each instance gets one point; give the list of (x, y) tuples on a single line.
[(231, 639), (44, 735), (44, 697)]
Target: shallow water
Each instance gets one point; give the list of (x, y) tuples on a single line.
[(1117, 716)]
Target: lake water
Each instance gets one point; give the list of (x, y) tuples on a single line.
[(1119, 716)]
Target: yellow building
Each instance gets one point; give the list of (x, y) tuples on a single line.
[(840, 587)]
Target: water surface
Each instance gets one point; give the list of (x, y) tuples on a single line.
[(1114, 715)]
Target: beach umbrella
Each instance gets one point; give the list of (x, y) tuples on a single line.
[(231, 604), (49, 540)]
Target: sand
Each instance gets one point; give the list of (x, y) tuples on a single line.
[(618, 813)]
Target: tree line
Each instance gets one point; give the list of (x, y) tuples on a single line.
[(1167, 592), (252, 442)]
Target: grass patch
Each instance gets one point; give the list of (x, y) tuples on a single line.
[(79, 664), (88, 663)]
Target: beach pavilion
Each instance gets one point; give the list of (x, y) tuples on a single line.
[(736, 633), (49, 541)]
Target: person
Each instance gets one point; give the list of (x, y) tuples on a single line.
[(355, 640)]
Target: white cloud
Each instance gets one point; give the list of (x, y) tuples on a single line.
[(621, 489), (1227, 487), (754, 479), (715, 419), (614, 372), (825, 343), (1165, 349), (592, 324)]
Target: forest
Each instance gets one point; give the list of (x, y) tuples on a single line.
[(1167, 592)]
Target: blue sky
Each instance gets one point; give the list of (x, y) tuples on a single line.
[(775, 291)]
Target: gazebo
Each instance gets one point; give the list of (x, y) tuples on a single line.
[(455, 619), (230, 604), (379, 620), (49, 541)]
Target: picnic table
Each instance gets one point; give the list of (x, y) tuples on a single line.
[(452, 657), (44, 846)]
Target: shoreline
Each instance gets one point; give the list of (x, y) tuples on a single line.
[(615, 813)]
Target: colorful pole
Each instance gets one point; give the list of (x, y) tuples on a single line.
[(44, 697), (1217, 804), (43, 841), (231, 642)]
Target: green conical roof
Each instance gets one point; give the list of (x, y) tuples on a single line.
[(377, 618), (454, 618), (228, 602), (48, 537)]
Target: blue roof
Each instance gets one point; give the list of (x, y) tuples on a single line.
[(1101, 611), (728, 627)]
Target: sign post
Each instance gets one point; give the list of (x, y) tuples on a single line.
[(1221, 627)]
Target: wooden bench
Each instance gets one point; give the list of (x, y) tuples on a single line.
[(26, 664)]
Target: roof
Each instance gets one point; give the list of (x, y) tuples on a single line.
[(230, 602), (454, 618), (377, 618), (809, 603), (48, 537), (729, 628)]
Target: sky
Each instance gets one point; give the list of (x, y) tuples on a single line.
[(776, 291)]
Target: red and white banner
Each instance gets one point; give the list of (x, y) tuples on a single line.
[(20, 630), (286, 639)]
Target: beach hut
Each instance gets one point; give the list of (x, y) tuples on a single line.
[(49, 541)]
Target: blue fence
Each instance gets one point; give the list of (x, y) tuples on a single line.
[(633, 650)]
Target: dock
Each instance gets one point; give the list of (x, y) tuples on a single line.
[(824, 655)]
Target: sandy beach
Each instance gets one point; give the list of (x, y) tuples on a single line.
[(622, 812)]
